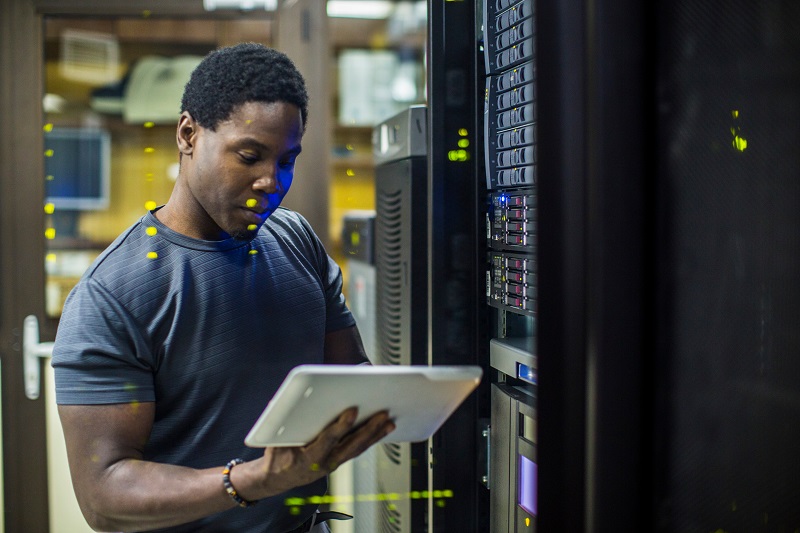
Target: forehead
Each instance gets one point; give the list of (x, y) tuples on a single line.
[(249, 113), (265, 118)]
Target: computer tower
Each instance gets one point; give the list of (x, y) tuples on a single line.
[(401, 244)]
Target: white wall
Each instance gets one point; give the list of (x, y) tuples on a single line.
[(65, 515)]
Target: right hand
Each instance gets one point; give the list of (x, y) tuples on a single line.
[(284, 468)]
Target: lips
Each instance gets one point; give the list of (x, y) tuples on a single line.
[(256, 214)]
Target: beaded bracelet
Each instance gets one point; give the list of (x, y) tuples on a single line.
[(226, 480)]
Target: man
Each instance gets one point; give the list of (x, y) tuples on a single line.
[(178, 335)]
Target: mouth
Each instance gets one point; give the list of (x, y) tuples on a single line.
[(256, 214), (258, 211)]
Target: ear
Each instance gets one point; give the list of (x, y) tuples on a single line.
[(186, 134)]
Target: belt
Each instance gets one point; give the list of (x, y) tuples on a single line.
[(319, 517)]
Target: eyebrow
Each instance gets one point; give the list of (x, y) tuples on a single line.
[(254, 143)]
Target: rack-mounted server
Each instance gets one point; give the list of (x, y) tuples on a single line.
[(511, 176)]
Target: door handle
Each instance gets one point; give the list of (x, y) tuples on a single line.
[(32, 351)]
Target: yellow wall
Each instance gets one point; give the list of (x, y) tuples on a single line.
[(352, 185)]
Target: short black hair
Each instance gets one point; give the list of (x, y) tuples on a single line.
[(231, 76)]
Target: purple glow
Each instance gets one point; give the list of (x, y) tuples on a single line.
[(527, 485)]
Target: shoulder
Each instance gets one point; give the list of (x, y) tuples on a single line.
[(119, 253), (287, 223), (135, 263), (286, 217)]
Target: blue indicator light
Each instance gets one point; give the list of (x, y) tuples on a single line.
[(526, 373)]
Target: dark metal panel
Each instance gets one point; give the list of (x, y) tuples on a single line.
[(454, 288), (619, 141), (729, 201), (500, 471), (562, 320)]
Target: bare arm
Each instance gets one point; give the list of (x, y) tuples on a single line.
[(344, 347), (119, 491), (116, 489)]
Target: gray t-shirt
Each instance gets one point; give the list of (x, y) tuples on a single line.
[(207, 330)]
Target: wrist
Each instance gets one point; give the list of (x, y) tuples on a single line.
[(233, 483)]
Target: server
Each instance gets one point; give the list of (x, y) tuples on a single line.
[(510, 150), (400, 149)]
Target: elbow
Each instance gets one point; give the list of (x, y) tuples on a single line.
[(99, 522), (98, 517)]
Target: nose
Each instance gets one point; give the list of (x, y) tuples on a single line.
[(267, 182)]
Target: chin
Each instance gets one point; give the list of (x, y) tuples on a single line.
[(243, 235)]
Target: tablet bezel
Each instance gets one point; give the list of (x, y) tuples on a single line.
[(418, 398)]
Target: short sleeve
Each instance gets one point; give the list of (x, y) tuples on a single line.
[(338, 315), (99, 356)]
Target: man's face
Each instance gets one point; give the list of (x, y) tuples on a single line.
[(238, 175)]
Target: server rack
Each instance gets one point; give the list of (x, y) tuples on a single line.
[(655, 154), (400, 146), (510, 171)]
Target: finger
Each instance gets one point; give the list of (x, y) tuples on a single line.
[(333, 433), (359, 440)]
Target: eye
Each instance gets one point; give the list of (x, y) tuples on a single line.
[(288, 162), (248, 158)]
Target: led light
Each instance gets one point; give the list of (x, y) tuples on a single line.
[(526, 373), (361, 9), (244, 5)]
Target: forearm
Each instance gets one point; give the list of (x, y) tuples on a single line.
[(119, 491), (344, 347), (135, 495)]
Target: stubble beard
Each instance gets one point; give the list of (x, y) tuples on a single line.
[(243, 235)]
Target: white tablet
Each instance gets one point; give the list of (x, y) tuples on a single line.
[(418, 398)]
